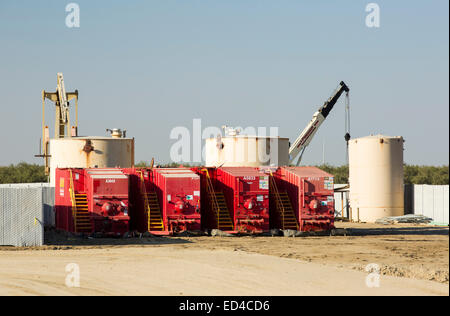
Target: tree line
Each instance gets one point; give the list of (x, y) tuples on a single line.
[(22, 173), (413, 174)]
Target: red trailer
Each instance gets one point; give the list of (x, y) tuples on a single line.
[(178, 190), (238, 200), (92, 200), (302, 198), (143, 201)]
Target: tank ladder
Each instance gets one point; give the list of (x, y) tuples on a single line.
[(219, 206), (283, 206), (151, 205)]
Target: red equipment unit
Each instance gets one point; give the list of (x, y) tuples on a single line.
[(92, 200), (107, 192), (178, 190), (311, 193), (64, 219), (246, 191), (141, 185)]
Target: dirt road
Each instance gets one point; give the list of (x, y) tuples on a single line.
[(411, 251), (174, 271)]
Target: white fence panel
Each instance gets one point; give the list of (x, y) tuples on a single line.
[(432, 201), (21, 217), (48, 199)]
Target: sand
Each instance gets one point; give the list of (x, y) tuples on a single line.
[(413, 261)]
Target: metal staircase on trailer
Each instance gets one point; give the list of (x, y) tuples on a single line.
[(82, 217), (151, 205), (155, 221), (283, 206), (219, 206), (80, 211)]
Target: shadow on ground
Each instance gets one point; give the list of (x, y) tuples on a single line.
[(53, 238), (421, 231)]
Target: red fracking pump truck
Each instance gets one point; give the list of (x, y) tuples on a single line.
[(236, 198), (92, 200), (178, 190), (307, 193)]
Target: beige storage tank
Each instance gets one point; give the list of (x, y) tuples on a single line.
[(90, 152), (246, 151), (376, 177)]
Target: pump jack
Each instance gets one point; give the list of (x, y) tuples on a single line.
[(61, 99)]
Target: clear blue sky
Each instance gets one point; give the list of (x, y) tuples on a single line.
[(148, 66)]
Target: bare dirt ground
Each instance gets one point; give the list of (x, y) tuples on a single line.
[(414, 260)]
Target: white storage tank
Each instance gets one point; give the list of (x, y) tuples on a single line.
[(90, 152), (376, 177), (246, 151)]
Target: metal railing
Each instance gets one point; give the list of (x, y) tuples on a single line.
[(73, 200)]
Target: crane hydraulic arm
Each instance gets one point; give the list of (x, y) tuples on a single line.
[(306, 136)]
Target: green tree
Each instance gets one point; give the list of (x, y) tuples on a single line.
[(426, 174), (340, 173), (413, 174), (142, 164), (22, 173)]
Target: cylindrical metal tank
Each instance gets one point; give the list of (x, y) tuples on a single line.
[(246, 151), (90, 152), (376, 177)]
